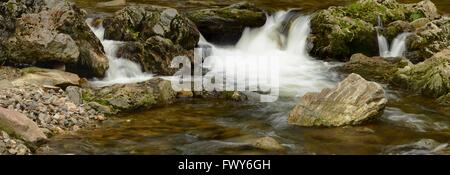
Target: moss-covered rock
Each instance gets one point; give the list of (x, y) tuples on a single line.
[(428, 40), (138, 23), (129, 97), (374, 68), (338, 32), (225, 25), (154, 36), (430, 78)]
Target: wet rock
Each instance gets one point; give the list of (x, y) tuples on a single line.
[(445, 100), (374, 68), (430, 78), (18, 124), (352, 102), (128, 97), (338, 32), (155, 35), (428, 40), (46, 32), (225, 25), (49, 77), (268, 143), (422, 147)]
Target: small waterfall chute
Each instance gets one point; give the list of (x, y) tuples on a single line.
[(120, 71), (397, 47)]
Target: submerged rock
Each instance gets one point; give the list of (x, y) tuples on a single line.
[(374, 68), (17, 124), (421, 147), (430, 78), (352, 102), (46, 32), (268, 143), (338, 32), (154, 36), (128, 97), (225, 25)]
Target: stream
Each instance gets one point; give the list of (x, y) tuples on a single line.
[(199, 126)]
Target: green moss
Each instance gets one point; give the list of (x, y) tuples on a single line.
[(416, 15)]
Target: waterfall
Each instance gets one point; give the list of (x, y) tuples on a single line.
[(120, 71), (397, 47), (298, 72)]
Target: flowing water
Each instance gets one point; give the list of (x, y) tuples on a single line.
[(120, 70), (398, 46), (198, 126)]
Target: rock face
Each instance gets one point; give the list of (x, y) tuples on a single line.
[(353, 101), (338, 32), (154, 35), (428, 40), (128, 97), (47, 77), (225, 25), (374, 68), (430, 78), (50, 31), (18, 124)]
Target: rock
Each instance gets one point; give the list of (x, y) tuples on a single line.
[(428, 40), (445, 100), (128, 97), (112, 3), (338, 32), (155, 55), (225, 25), (352, 102), (374, 68), (101, 108), (419, 23), (185, 94), (393, 29), (268, 143), (46, 32), (427, 8), (430, 78), (421, 147), (18, 124), (74, 94), (49, 77), (154, 35)]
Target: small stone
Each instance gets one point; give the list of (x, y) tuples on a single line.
[(268, 143)]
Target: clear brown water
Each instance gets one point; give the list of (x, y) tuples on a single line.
[(223, 127)]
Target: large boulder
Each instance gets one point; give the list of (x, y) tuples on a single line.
[(430, 78), (47, 32), (428, 40), (225, 25), (352, 102), (129, 97), (338, 32), (374, 68), (153, 36), (19, 125), (47, 77)]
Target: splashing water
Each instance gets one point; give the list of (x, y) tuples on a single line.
[(286, 56), (120, 71), (398, 46)]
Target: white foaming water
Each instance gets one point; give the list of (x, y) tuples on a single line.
[(286, 57), (120, 71), (398, 46)]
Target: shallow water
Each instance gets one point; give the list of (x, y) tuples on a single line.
[(224, 127)]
